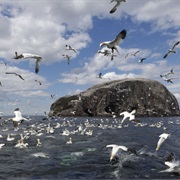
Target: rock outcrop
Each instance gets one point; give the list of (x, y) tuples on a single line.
[(148, 97)]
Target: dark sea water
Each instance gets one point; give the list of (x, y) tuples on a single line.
[(87, 157)]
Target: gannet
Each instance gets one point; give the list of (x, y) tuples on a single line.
[(18, 118), (70, 141), (28, 55), (68, 47), (105, 52), (163, 137), (38, 143), (117, 5), (169, 80), (16, 74), (38, 82), (9, 138), (168, 73), (126, 115), (115, 149), (68, 57), (174, 166), (171, 50), (112, 44), (134, 54), (141, 60)]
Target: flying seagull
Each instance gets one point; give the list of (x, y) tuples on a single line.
[(68, 57), (28, 55), (112, 44), (16, 74), (118, 2), (105, 52), (126, 115), (142, 60), (18, 118), (168, 73), (38, 82), (169, 80), (68, 47), (134, 54), (174, 166), (171, 50)]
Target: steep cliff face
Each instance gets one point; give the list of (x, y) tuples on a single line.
[(148, 97)]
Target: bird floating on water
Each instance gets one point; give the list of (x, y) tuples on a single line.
[(118, 2), (171, 50), (114, 43), (31, 56)]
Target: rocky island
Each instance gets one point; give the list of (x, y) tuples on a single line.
[(148, 97)]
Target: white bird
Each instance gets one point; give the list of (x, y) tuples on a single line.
[(18, 118), (68, 57), (70, 141), (112, 44), (126, 115), (169, 80), (9, 138), (174, 166), (28, 55), (168, 73), (171, 50), (68, 47), (118, 2), (115, 149), (163, 137)]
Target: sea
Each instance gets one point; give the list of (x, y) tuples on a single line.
[(75, 148)]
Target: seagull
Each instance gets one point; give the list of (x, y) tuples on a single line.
[(174, 166), (38, 82), (126, 115), (171, 50), (15, 74), (105, 52), (28, 55), (134, 54), (68, 57), (168, 73), (68, 47), (169, 80), (142, 60), (116, 6), (115, 149), (18, 118), (163, 137), (112, 44)]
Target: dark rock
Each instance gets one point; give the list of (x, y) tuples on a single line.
[(148, 97)]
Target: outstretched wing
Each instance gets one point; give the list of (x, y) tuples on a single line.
[(119, 38)]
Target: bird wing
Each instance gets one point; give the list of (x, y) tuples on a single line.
[(37, 65), (115, 7), (119, 38), (166, 55), (175, 45), (20, 76)]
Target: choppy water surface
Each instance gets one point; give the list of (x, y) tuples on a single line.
[(87, 157)]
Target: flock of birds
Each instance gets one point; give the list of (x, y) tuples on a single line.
[(85, 129), (173, 164)]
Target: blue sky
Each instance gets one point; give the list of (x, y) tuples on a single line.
[(44, 27)]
